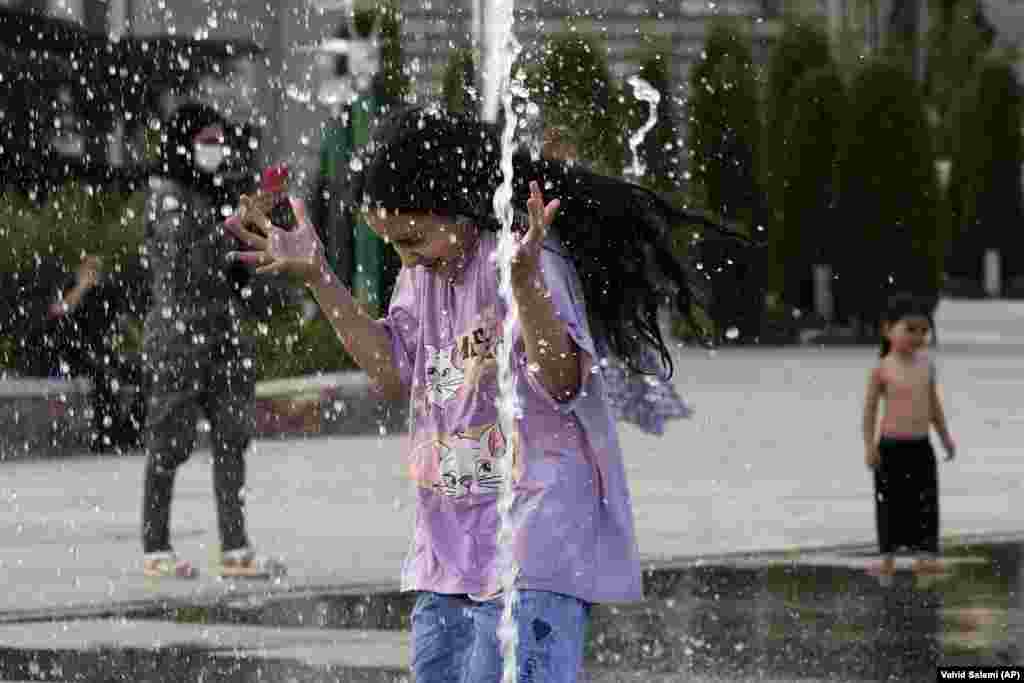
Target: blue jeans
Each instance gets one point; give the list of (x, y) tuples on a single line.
[(455, 640)]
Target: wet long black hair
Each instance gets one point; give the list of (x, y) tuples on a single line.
[(616, 233), (900, 307)]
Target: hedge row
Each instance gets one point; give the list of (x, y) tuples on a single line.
[(846, 164), (76, 220)]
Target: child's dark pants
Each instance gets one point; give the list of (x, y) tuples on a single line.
[(907, 496), (183, 387)]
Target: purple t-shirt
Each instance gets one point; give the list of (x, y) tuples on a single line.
[(573, 515)]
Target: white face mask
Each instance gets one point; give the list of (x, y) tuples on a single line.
[(337, 91), (364, 60), (209, 158)]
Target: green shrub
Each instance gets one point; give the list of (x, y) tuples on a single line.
[(459, 80), (288, 346), (393, 83), (985, 188), (573, 87), (74, 220), (808, 186), (802, 47), (725, 125), (724, 138), (959, 37), (660, 149), (892, 238)]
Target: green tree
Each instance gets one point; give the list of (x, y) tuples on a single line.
[(76, 219), (985, 188), (575, 91), (893, 238), (802, 47), (958, 39), (724, 137), (808, 178), (725, 125), (661, 148), (392, 84), (457, 88)]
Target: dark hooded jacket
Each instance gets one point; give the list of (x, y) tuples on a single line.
[(198, 298)]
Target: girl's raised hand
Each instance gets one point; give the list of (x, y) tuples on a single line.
[(526, 260), (274, 250), (88, 273), (950, 446)]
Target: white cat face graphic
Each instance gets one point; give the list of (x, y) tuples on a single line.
[(471, 462), (443, 378)]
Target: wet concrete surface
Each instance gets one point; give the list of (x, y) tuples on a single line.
[(816, 617), (745, 475)]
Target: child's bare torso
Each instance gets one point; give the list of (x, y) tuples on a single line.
[(906, 390)]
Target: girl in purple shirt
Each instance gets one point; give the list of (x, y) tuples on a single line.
[(588, 276)]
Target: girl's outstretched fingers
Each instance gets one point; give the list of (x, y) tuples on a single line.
[(249, 258), (535, 208), (244, 235), (252, 212), (541, 216)]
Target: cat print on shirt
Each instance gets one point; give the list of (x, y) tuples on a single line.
[(469, 461), (461, 366), (443, 377), (479, 348)]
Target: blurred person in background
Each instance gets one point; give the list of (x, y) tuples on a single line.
[(72, 325), (199, 359)]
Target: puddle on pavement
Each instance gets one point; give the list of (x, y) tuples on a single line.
[(774, 619), (174, 664)]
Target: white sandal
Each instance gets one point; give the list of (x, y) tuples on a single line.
[(247, 564), (167, 565)]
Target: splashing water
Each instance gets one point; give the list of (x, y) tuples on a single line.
[(505, 50), (644, 92)]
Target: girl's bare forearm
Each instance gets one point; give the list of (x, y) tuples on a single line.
[(870, 435), (939, 422), (74, 296), (869, 425), (365, 339), (548, 344)]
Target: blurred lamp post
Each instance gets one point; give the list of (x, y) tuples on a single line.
[(824, 303), (993, 273), (490, 33), (943, 169)]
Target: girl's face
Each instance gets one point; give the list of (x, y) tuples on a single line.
[(435, 242), (907, 335)]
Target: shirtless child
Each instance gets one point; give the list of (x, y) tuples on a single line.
[(898, 448)]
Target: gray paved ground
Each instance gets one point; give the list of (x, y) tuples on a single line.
[(771, 462), (387, 652)]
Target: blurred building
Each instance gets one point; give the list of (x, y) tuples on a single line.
[(78, 88), (278, 75)]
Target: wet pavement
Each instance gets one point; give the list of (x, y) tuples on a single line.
[(771, 466), (815, 617)]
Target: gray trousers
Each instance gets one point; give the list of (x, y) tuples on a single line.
[(216, 380)]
